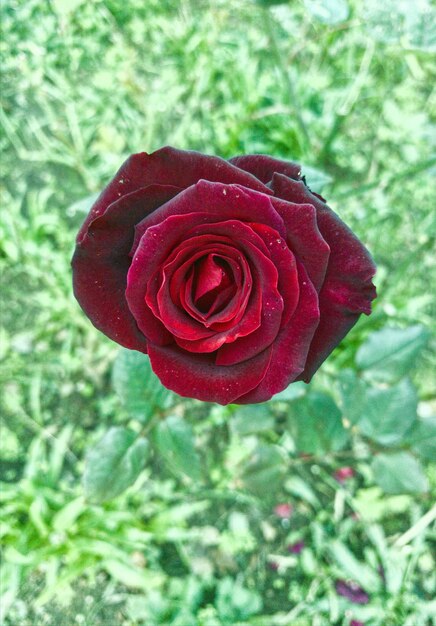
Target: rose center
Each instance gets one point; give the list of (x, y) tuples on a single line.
[(213, 284)]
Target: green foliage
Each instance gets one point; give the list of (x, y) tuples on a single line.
[(265, 470), (422, 437), (394, 21), (327, 11), (387, 414), (315, 179), (399, 472), (390, 353), (316, 426), (177, 524), (235, 603), (252, 419), (138, 387), (113, 464), (174, 439)]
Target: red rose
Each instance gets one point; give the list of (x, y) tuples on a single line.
[(231, 275)]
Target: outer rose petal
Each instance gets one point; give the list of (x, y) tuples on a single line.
[(220, 202), (101, 262), (304, 238), (289, 350), (263, 166), (197, 376), (347, 290), (168, 166)]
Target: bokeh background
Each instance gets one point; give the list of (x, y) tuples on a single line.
[(249, 516)]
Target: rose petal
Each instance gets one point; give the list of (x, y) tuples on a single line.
[(263, 166), (252, 334), (241, 288), (101, 262), (168, 166), (184, 326), (284, 261), (210, 276), (154, 248), (289, 350), (197, 376), (159, 240), (347, 290), (305, 239), (218, 202), (223, 307)]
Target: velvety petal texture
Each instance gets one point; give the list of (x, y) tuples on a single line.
[(232, 275)]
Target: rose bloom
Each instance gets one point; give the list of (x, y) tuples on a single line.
[(232, 276)]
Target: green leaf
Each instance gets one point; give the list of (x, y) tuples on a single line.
[(390, 353), (252, 418), (264, 472), (114, 464), (174, 439), (423, 437), (138, 387), (316, 180), (352, 568), (58, 452), (294, 391), (373, 505), (327, 11), (235, 602), (353, 395), (389, 413), (131, 576), (301, 489), (315, 424), (399, 473), (65, 518)]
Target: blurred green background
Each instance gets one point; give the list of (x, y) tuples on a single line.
[(342, 86)]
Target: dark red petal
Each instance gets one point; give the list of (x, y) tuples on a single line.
[(263, 166), (153, 249), (249, 345), (197, 376), (304, 238), (218, 202), (155, 238), (181, 288), (284, 261), (177, 321), (347, 290), (210, 275), (168, 166), (254, 332), (101, 262), (289, 350)]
